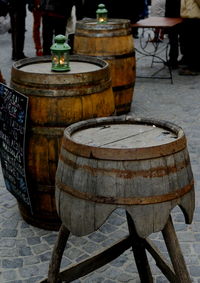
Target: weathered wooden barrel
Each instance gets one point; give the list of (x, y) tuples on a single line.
[(141, 165), (56, 100), (114, 43)]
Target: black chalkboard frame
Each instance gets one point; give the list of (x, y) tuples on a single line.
[(13, 117)]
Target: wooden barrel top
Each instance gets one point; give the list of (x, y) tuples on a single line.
[(45, 68), (42, 65), (139, 164), (114, 27), (37, 71), (124, 138), (110, 25)]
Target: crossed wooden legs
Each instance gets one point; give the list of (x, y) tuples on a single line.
[(177, 274)]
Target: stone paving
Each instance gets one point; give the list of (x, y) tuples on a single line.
[(25, 250)]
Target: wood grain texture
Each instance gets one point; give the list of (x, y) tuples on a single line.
[(175, 253), (59, 99), (90, 185), (56, 100), (87, 265), (139, 251), (106, 127), (157, 22), (112, 42), (57, 254), (139, 245)]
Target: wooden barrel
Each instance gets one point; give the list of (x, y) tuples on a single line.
[(112, 42), (138, 164), (56, 100)]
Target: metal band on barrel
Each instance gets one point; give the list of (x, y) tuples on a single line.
[(126, 201)]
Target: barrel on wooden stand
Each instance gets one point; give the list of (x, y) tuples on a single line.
[(56, 100), (114, 43), (141, 165)]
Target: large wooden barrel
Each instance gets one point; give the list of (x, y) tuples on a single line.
[(114, 43), (56, 100), (139, 164)]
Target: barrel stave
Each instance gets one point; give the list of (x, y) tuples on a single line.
[(144, 185), (56, 100), (114, 43)]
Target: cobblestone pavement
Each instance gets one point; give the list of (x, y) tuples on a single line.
[(25, 250)]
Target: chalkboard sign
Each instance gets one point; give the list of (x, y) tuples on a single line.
[(13, 112)]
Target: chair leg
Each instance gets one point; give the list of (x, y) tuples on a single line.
[(175, 253), (56, 257), (139, 252)]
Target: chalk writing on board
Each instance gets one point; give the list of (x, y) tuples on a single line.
[(13, 112)]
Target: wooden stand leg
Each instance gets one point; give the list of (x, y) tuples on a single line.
[(56, 258), (175, 253), (138, 246)]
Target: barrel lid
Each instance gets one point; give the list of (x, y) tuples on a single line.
[(78, 64), (37, 70), (111, 24), (75, 68), (123, 138), (113, 27)]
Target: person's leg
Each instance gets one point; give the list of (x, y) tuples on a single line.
[(18, 32), (174, 47), (13, 33), (36, 32), (184, 40), (21, 34), (60, 25), (191, 47), (47, 33), (194, 45), (182, 61)]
